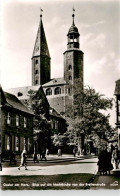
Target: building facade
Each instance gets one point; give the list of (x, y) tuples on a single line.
[(117, 95), (16, 125)]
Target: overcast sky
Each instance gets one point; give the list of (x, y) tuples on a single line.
[(99, 27)]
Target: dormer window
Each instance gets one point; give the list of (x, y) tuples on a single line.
[(19, 94), (8, 119), (17, 120)]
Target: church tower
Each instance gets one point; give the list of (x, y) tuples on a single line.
[(73, 56), (40, 58)]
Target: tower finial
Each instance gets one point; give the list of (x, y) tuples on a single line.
[(41, 10), (73, 15)]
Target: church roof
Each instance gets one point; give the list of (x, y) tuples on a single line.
[(55, 82), (12, 101), (22, 92), (41, 47), (73, 29)]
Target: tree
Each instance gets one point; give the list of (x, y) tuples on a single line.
[(86, 117), (38, 103)]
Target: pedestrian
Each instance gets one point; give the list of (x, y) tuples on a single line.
[(47, 152), (23, 160), (12, 158), (59, 152), (35, 157), (74, 152), (43, 156), (116, 157), (104, 161)]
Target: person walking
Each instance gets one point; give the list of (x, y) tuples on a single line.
[(116, 157), (35, 157), (74, 152), (23, 160)]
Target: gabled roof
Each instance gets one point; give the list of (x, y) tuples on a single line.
[(41, 47), (13, 102), (55, 82), (54, 113), (22, 92)]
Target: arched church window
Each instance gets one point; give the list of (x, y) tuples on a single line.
[(48, 91), (57, 90), (70, 77), (36, 62), (70, 67)]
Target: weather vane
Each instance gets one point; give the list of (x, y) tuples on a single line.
[(73, 14), (41, 10), (73, 9)]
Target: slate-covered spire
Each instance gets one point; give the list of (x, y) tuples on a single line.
[(41, 46), (40, 58)]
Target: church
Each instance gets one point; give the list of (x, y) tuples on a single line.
[(58, 91)]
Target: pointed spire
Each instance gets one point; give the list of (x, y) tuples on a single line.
[(41, 46)]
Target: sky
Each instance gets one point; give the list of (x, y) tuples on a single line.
[(99, 27)]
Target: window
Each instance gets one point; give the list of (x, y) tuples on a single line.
[(57, 90), (25, 143), (119, 118), (8, 119), (119, 105), (53, 124), (17, 142), (70, 77), (36, 71), (56, 124), (69, 90), (36, 82), (25, 122), (36, 62), (49, 91), (17, 120), (70, 67), (8, 142)]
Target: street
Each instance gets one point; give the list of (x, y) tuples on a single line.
[(65, 167)]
